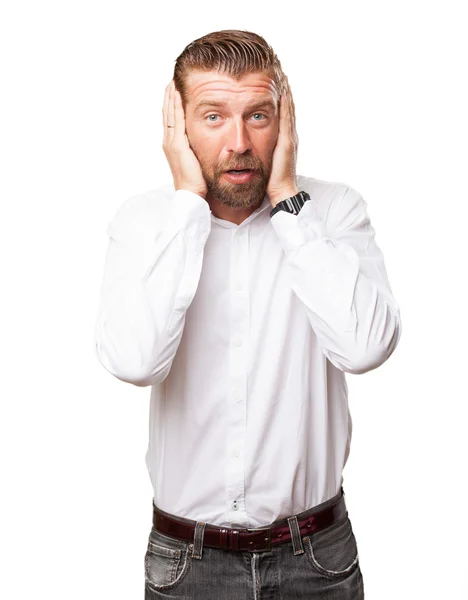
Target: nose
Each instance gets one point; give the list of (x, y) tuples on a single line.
[(238, 139)]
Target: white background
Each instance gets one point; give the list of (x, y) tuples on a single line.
[(380, 94)]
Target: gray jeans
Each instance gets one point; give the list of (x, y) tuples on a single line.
[(321, 565)]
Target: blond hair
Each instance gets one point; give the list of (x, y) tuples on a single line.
[(232, 52)]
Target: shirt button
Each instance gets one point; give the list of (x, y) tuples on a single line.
[(238, 398), (236, 452), (239, 287), (234, 505), (237, 342)]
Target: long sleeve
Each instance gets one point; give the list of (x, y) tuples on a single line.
[(338, 272), (151, 273)]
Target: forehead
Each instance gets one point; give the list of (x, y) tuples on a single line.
[(219, 86)]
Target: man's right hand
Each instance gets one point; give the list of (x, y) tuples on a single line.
[(184, 165)]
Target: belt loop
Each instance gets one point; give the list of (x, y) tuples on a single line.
[(198, 540), (295, 535), (223, 536), (234, 539)]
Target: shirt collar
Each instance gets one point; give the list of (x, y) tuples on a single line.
[(230, 225)]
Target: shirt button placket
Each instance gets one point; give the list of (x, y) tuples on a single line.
[(237, 406)]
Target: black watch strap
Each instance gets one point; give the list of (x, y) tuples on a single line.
[(291, 205)]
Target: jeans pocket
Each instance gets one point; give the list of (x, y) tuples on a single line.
[(166, 561), (333, 551)]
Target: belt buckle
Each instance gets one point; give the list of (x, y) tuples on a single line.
[(267, 539)]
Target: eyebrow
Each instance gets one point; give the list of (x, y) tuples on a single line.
[(253, 106)]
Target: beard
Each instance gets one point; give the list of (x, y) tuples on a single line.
[(237, 195)]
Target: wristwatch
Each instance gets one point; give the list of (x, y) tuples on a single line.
[(291, 205)]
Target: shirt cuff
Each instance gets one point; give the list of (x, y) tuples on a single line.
[(295, 230), (189, 211)]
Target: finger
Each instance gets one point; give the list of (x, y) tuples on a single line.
[(291, 105), (170, 112), (165, 105), (179, 116), (288, 126), (283, 120), (292, 113), (290, 102)]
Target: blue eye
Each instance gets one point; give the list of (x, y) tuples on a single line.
[(254, 115)]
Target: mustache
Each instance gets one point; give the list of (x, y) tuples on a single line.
[(240, 167), (255, 167)]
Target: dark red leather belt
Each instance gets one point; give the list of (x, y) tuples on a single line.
[(258, 539)]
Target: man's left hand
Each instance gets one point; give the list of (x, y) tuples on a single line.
[(282, 183)]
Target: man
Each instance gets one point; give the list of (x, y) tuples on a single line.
[(242, 293)]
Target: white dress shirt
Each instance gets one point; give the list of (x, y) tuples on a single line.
[(245, 333)]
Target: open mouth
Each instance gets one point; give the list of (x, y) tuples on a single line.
[(237, 176)]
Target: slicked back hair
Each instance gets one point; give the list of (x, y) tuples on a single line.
[(232, 52)]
